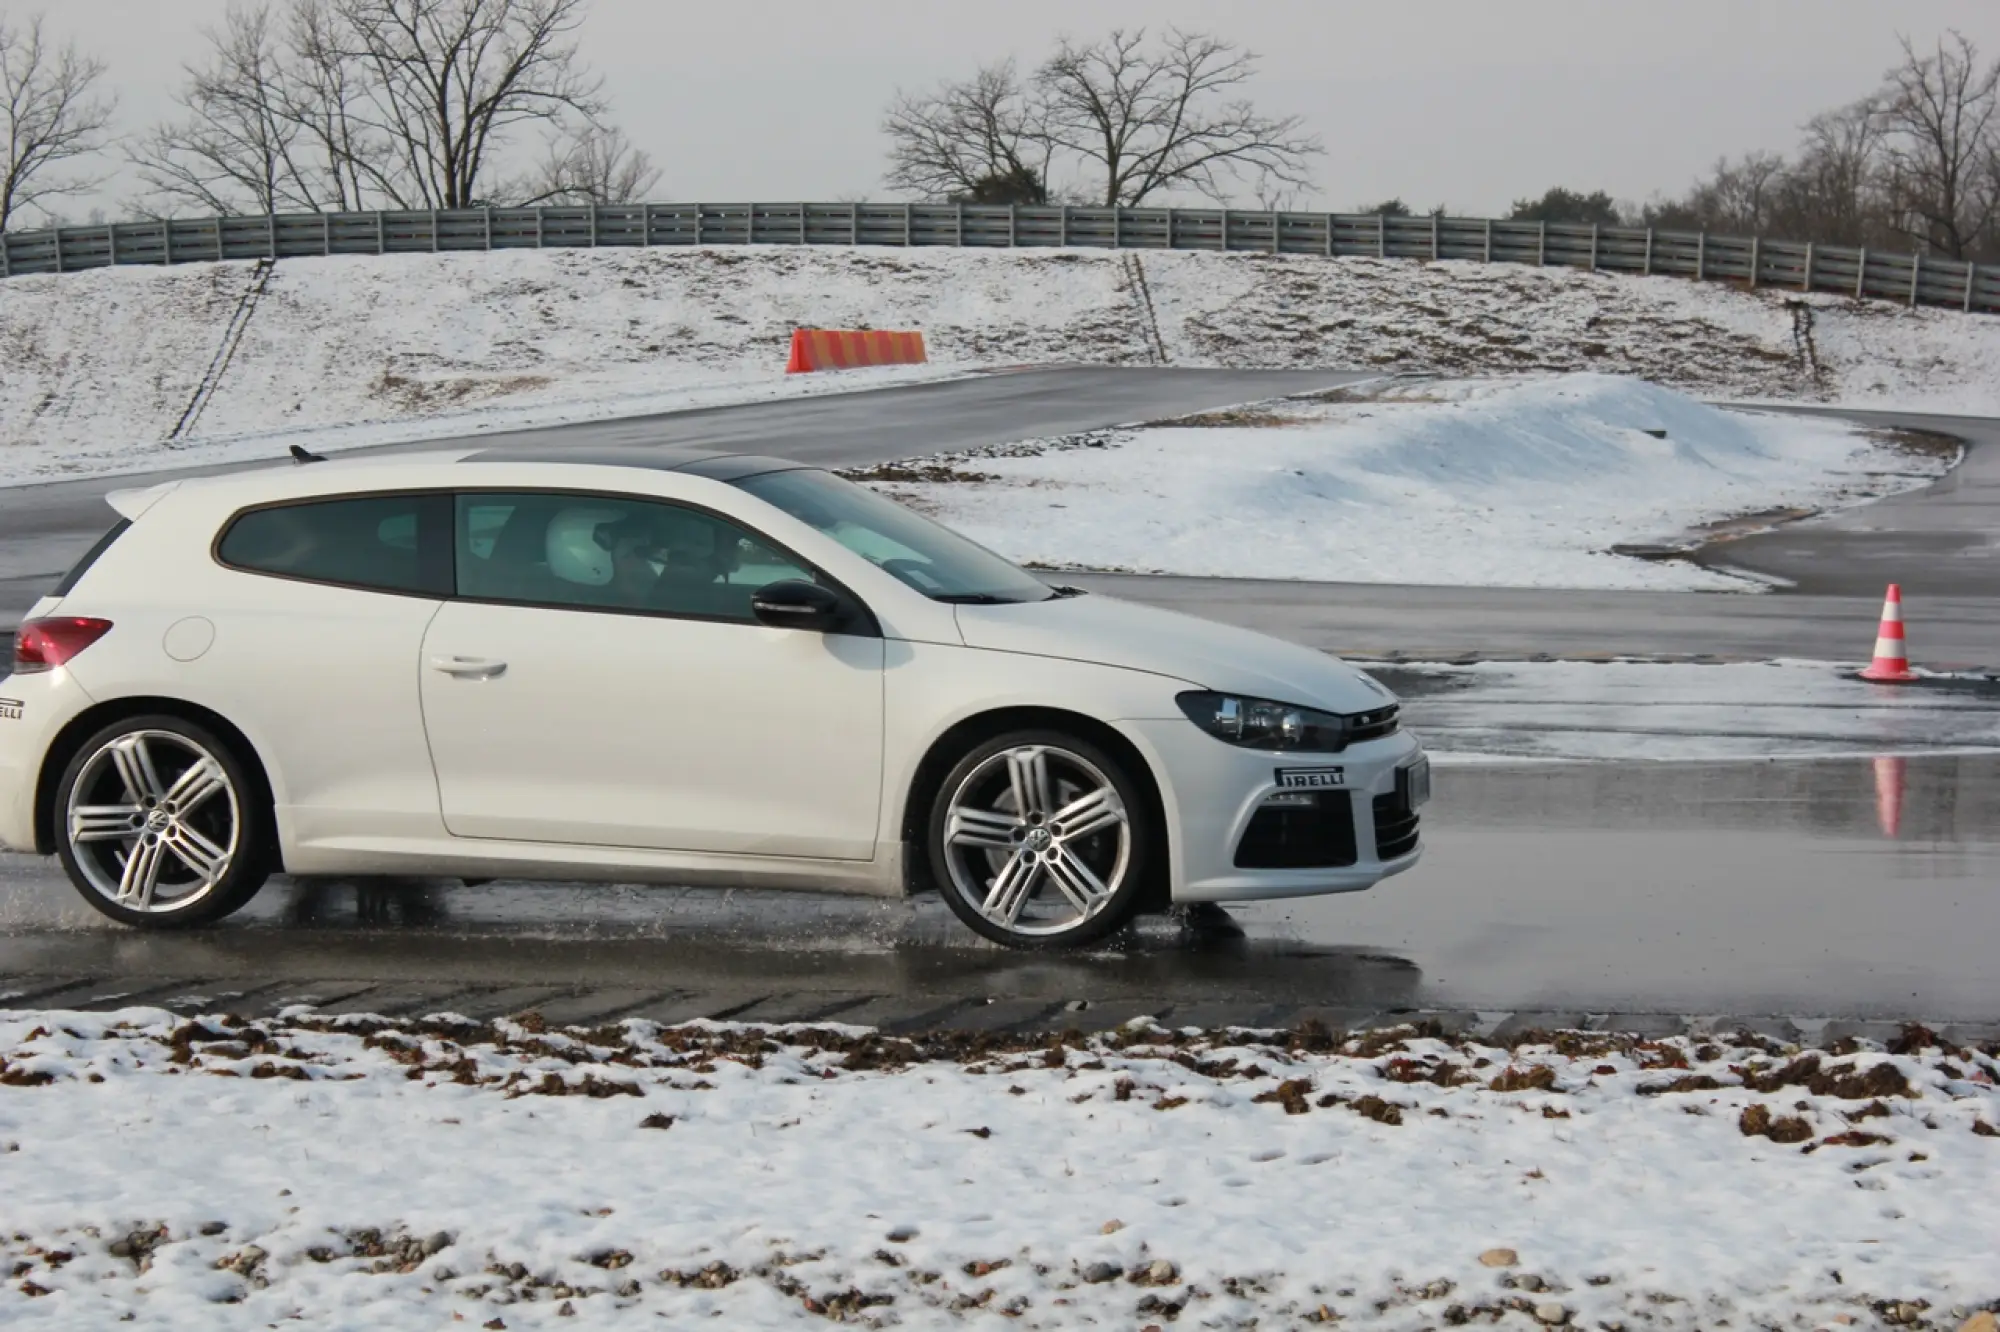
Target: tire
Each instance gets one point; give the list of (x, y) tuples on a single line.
[(180, 799), (1065, 886)]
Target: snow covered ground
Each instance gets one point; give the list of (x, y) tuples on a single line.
[(100, 365), (1644, 711), (358, 1173), (1505, 483)]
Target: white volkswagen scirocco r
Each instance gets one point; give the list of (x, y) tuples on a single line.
[(662, 665)]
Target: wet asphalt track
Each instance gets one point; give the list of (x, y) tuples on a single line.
[(1654, 895), (1658, 896), (1941, 542)]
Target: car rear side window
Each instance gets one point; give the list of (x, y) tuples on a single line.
[(384, 543)]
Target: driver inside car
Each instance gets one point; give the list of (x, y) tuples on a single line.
[(631, 542), (692, 552), (676, 562), (648, 559)]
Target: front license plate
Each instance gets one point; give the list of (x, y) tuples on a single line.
[(1310, 779), (1420, 782)]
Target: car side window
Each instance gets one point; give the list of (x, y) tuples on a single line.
[(384, 543), (612, 553)]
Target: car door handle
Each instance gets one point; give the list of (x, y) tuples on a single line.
[(469, 668)]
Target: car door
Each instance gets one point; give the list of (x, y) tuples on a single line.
[(309, 637), (600, 680)]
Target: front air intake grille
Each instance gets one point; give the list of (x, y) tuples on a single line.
[(1364, 726), (1317, 832), (1395, 822)]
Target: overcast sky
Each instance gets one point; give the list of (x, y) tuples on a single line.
[(1470, 103)]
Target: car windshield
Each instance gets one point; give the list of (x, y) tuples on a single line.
[(934, 560)]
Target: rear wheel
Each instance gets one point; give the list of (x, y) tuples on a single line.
[(1041, 840), (159, 824)]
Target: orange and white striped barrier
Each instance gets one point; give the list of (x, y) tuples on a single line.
[(1892, 658), (845, 349)]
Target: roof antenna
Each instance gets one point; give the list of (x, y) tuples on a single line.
[(299, 455)]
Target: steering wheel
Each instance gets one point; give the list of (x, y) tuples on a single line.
[(914, 572)]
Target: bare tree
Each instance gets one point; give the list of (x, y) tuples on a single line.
[(236, 146), (594, 165), (273, 121), (964, 139), (1740, 197), (1919, 160), (1744, 195), (1941, 116), (349, 104), (448, 79), (1832, 191), (1272, 195), (1141, 120), (327, 96), (1155, 120), (53, 117)]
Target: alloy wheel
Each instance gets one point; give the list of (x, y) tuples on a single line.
[(1037, 840), (153, 822)]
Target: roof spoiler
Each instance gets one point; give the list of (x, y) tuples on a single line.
[(136, 500), (132, 502)]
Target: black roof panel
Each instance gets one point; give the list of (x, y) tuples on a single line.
[(711, 463)]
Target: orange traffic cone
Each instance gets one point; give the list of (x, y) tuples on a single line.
[(1889, 772), (1892, 659)]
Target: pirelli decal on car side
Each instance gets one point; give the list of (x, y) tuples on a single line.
[(10, 709)]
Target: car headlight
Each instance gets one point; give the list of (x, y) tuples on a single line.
[(1261, 723)]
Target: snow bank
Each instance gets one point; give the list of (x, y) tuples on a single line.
[(357, 1173), (1493, 483), (101, 364)]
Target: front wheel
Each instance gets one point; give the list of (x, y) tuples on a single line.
[(1041, 840), (159, 824)]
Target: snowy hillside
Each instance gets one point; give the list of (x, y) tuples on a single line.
[(99, 366), (1525, 482)]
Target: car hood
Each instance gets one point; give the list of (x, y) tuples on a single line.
[(1109, 632)]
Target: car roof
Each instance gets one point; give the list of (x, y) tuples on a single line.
[(714, 464), (381, 470)]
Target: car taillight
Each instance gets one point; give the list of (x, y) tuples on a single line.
[(43, 645)]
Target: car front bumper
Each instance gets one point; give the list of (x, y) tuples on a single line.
[(1213, 792)]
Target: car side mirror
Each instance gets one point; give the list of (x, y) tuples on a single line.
[(794, 603)]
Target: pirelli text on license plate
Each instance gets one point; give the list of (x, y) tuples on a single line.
[(1310, 779)]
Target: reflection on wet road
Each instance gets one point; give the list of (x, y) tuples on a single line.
[(1646, 712), (1849, 888), (1837, 887)]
